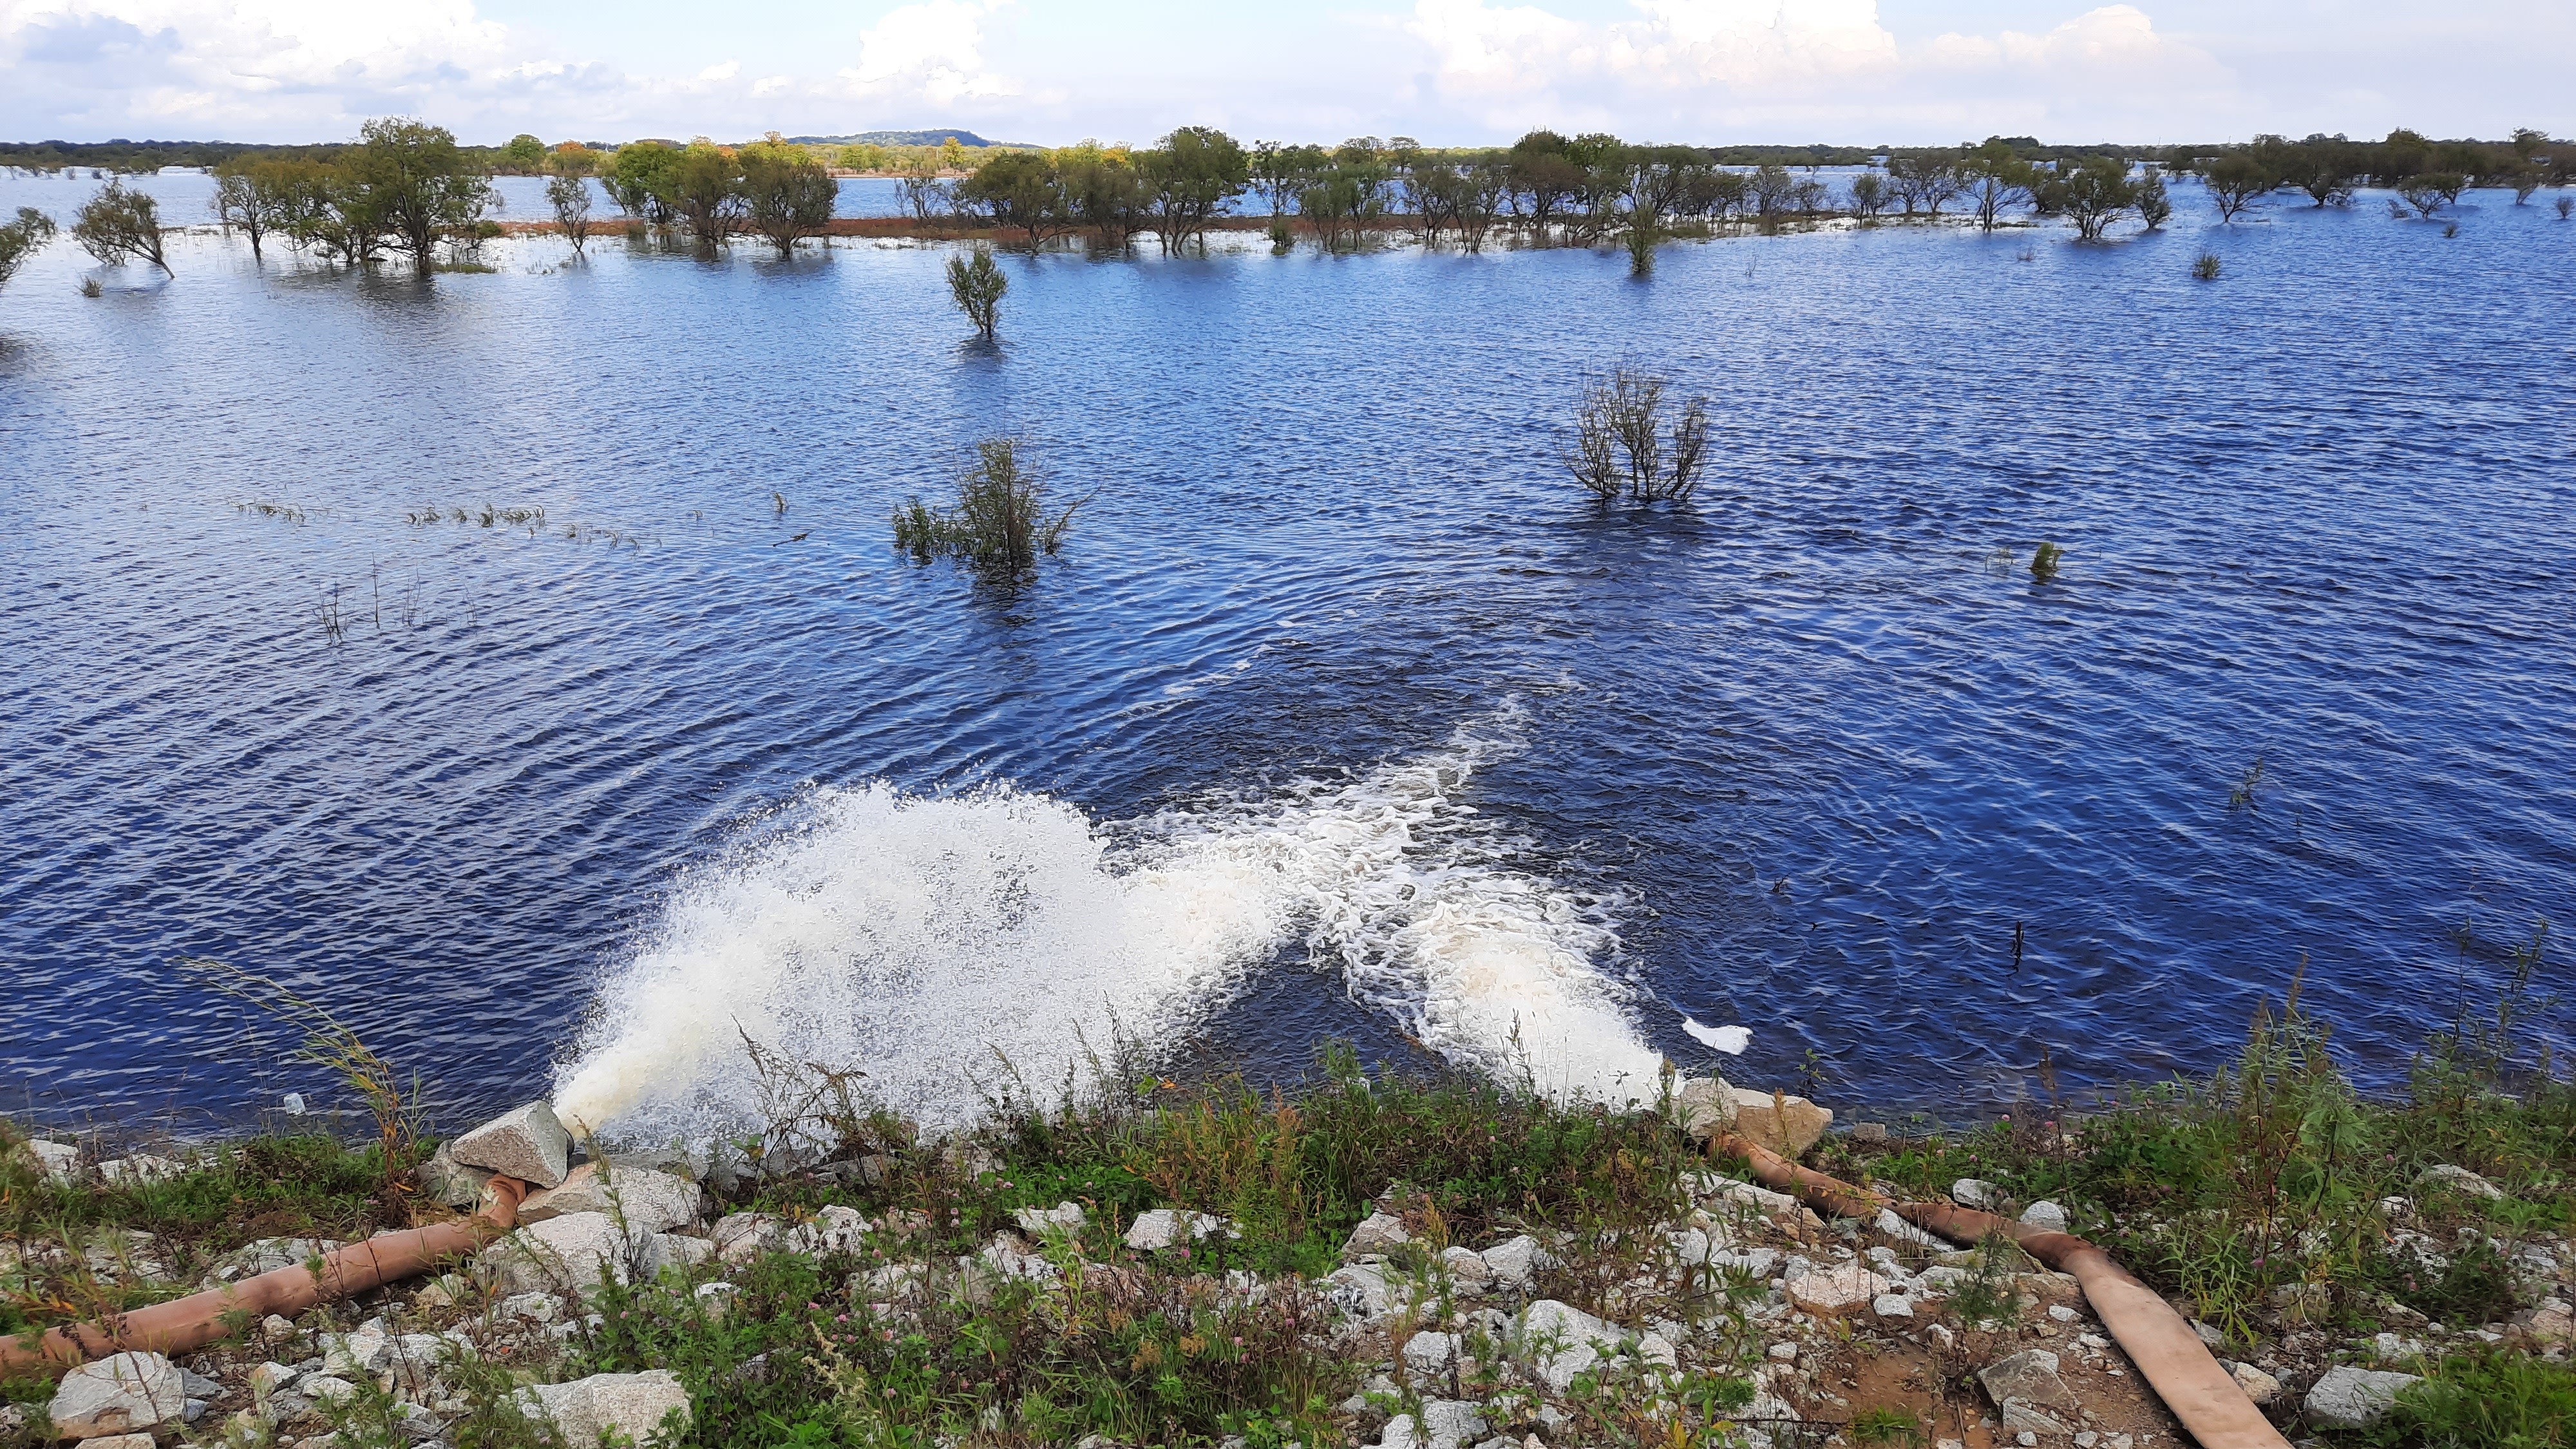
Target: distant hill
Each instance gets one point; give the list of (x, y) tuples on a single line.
[(901, 138)]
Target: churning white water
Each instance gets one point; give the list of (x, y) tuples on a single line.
[(926, 940)]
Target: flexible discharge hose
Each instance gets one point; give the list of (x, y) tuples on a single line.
[(220, 1313), (2169, 1356)]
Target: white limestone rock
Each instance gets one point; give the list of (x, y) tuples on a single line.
[(1704, 1107), (450, 1183), (2044, 1215), (1842, 1290), (1970, 1192), (2259, 1386), (1377, 1233), (140, 1170), (1430, 1352), (2029, 1393), (1466, 1267), (2354, 1398), (525, 1142), (1515, 1261), (123, 1393), (578, 1251), (1170, 1227), (1064, 1217), (654, 1202), (633, 1405), (1560, 1341), (59, 1161), (1785, 1124), (2461, 1180), (1451, 1423)]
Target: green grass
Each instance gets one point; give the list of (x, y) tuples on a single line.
[(2485, 1401)]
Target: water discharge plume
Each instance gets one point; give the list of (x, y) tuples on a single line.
[(925, 939)]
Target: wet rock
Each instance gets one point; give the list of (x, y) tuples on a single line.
[(1559, 1341), (1377, 1233), (121, 1394), (1704, 1107), (2460, 1180), (2044, 1215), (2354, 1398), (1843, 1290), (650, 1201), (1515, 1261), (526, 1143), (633, 1405), (2029, 1394), (1065, 1217), (1785, 1124), (2259, 1386)]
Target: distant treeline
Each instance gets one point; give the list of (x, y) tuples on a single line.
[(2400, 154)]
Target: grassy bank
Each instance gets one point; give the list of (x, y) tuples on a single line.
[(2303, 1223)]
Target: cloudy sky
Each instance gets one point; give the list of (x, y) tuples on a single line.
[(1444, 71)]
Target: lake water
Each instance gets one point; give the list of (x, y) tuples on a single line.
[(1343, 715)]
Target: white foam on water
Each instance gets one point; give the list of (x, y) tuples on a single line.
[(917, 937)]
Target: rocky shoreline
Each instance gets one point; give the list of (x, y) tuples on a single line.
[(1728, 1310)]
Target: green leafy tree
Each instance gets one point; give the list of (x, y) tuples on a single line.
[(525, 154), (787, 194), (1544, 177), (704, 189), (639, 181), (2430, 191), (1869, 195), (1103, 191), (976, 285), (22, 239), (2155, 204), (257, 198), (324, 207), (2234, 183), (118, 225), (1023, 191), (2325, 168), (1189, 180), (421, 186), (569, 195), (1991, 178), (2097, 193)]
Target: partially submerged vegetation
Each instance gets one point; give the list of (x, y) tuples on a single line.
[(1002, 520), (1157, 1263)]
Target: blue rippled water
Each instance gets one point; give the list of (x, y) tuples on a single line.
[(1804, 754)]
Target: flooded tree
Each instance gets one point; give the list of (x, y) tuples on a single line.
[(1621, 446), (2325, 168), (1104, 192), (1991, 178), (1000, 519), (704, 189), (21, 239), (2154, 203), (919, 185), (2430, 191), (976, 285), (1022, 191), (2097, 193), (639, 181), (117, 226), (1188, 180), (2234, 183), (1544, 176), (787, 194), (569, 196), (1869, 195), (420, 185), (258, 198)]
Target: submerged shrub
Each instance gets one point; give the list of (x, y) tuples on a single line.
[(976, 285), (1000, 519), (2206, 266), (1622, 446), (2043, 562)]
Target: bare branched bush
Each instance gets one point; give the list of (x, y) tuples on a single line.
[(1622, 445)]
